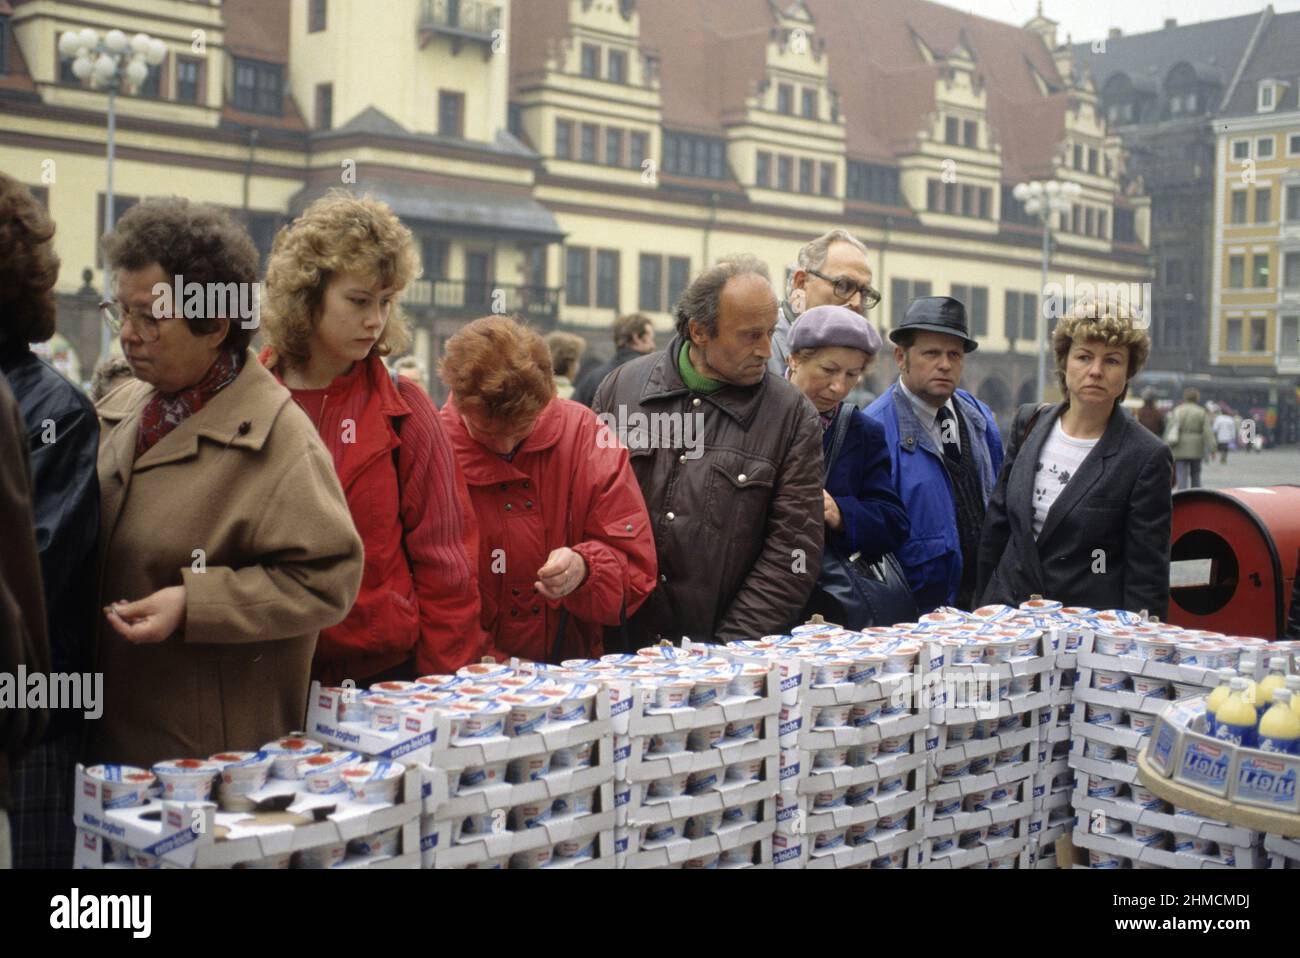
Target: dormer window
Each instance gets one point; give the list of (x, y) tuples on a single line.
[(1267, 96)]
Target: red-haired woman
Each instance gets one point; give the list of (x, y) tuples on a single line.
[(565, 545), (330, 317)]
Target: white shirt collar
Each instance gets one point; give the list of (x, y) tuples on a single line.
[(924, 411)]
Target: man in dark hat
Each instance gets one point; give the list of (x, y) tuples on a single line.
[(945, 451)]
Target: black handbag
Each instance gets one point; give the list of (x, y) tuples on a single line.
[(850, 591)]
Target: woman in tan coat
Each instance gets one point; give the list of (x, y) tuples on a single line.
[(226, 542)]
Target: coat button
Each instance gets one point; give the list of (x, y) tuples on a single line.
[(695, 401), (509, 507), (514, 591), (663, 578), (528, 503), (525, 483), (742, 477), (503, 487), (536, 609), (682, 459), (628, 527), (671, 517)]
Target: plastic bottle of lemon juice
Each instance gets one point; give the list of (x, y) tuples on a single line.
[(1276, 679), (1235, 719), (1279, 729), (1216, 697)]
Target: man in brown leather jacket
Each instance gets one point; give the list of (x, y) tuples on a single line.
[(729, 459)]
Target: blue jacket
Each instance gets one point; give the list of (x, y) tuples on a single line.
[(875, 521), (931, 556)]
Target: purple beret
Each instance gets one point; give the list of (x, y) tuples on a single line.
[(834, 326)]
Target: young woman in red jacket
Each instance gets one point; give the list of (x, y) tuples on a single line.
[(330, 315), (565, 545)]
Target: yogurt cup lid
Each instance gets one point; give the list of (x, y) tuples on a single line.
[(327, 761), (240, 759), (199, 768), (120, 773), (525, 700), (483, 668), (479, 707), (292, 745), (372, 772), (435, 681), (397, 688)]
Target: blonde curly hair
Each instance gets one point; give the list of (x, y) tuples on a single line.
[(1109, 322), (337, 233)]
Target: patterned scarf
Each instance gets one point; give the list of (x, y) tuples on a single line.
[(164, 412)]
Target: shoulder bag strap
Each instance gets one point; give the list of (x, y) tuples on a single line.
[(837, 441)]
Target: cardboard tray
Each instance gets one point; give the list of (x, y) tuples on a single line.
[(1215, 807), (185, 834)]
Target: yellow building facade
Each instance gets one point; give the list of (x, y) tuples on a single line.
[(1256, 318), (575, 160)]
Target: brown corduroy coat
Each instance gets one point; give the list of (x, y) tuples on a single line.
[(247, 481)]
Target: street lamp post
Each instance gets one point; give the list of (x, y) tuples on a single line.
[(1043, 199), (109, 62)]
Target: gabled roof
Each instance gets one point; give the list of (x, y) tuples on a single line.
[(1214, 48), (713, 57), (1276, 57), (888, 93)]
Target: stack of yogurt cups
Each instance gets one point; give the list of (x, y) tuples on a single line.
[(848, 783), (485, 702), (695, 681), (1135, 662), (232, 779), (1283, 852), (965, 775)]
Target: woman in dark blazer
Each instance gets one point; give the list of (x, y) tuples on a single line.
[(1082, 508), (830, 349)]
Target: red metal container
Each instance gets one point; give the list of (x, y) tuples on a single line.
[(1239, 548)]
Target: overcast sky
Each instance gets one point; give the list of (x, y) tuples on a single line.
[(1090, 19)]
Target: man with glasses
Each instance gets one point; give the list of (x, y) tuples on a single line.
[(832, 271)]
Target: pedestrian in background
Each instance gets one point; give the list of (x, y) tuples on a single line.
[(63, 442), (738, 511), (1225, 433), (634, 335), (1082, 510), (333, 284), (226, 544), (565, 547), (108, 375), (945, 452), (1149, 415), (566, 353), (832, 271), (411, 367), (1189, 431)]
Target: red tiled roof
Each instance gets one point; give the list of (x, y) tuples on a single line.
[(535, 25), (713, 53), (258, 29)]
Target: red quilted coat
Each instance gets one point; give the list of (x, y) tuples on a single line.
[(427, 605), (569, 484)]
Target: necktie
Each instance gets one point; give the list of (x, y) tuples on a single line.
[(947, 424)]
